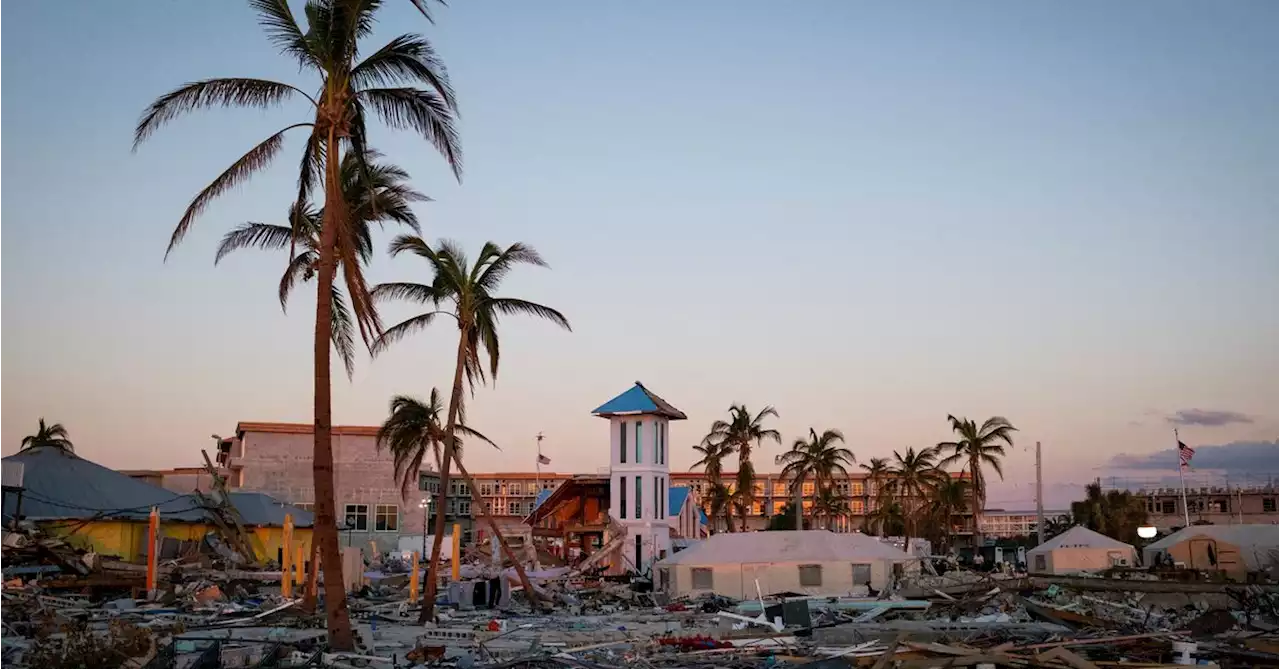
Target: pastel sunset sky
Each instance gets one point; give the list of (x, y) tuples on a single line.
[(869, 215)]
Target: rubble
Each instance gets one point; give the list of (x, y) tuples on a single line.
[(65, 608)]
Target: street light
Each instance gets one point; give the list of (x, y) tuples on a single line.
[(1147, 532), (425, 505), (351, 525)]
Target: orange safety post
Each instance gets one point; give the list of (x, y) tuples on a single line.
[(457, 552), (413, 579), (286, 564), (153, 552)]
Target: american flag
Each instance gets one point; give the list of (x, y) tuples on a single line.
[(543, 460), (1184, 454)]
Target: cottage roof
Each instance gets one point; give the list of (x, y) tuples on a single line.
[(1081, 537), (638, 400), (786, 547)]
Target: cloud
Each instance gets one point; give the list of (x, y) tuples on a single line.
[(1256, 457), (1207, 418)]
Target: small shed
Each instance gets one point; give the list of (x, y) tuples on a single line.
[(1080, 549), (1235, 550), (814, 562)]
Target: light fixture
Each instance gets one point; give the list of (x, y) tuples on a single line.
[(1147, 532)]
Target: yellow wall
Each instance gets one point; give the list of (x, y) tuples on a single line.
[(126, 538)]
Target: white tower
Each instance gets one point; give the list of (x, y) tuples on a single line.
[(639, 473)]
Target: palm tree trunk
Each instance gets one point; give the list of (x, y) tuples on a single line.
[(478, 501), (338, 621), (800, 503), (975, 488), (430, 588)]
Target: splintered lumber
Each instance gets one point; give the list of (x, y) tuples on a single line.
[(1072, 660)]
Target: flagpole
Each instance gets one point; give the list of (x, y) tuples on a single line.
[(1177, 448), (537, 468)]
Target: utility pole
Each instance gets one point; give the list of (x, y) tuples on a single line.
[(1039, 500)]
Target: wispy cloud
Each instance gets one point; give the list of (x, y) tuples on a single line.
[(1207, 418)]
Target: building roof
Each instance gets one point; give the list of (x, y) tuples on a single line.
[(638, 400), (263, 510), (303, 428), (1081, 537), (60, 485), (675, 499), (1257, 543), (787, 547)]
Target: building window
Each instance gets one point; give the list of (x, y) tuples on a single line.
[(702, 578), (513, 508), (639, 552), (488, 508), (1269, 505), (486, 489), (464, 507), (862, 574), (807, 488), (662, 442), (664, 579), (858, 488), (856, 506), (1040, 563), (639, 441), (756, 508), (811, 576), (639, 505), (356, 517), (657, 509), (502, 490), (622, 497), (532, 488), (622, 437), (777, 506), (1166, 506), (386, 518), (779, 489)]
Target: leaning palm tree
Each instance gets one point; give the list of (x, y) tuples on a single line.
[(376, 193), (52, 436), (719, 501), (976, 447), (405, 85), (877, 473), (818, 457), (912, 473), (712, 463), (465, 292), (740, 433)]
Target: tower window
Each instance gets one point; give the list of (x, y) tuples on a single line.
[(639, 442), (622, 497), (639, 505), (622, 436)]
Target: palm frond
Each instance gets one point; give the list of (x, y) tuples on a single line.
[(282, 30), (256, 159), (401, 330), (300, 267), (225, 92), (411, 292), (254, 235), (341, 328), (510, 306), (411, 244), (424, 112), (494, 264), (406, 59)]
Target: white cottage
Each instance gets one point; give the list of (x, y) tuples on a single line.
[(815, 562)]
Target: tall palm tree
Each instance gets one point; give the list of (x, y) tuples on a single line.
[(948, 497), (465, 292), (877, 474), (912, 473), (52, 436), (819, 457), (405, 85), (712, 463), (741, 432), (376, 193), (887, 519), (976, 447), (1057, 525)]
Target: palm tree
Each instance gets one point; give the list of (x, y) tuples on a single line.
[(740, 433), (912, 474), (947, 498), (349, 90), (467, 293), (887, 519), (976, 447), (829, 505), (52, 436), (819, 457), (877, 473), (376, 193), (719, 501), (1115, 513), (1057, 525), (712, 462)]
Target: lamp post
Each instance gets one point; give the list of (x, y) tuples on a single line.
[(425, 505), (351, 525)]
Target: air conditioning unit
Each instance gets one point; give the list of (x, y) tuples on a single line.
[(11, 475)]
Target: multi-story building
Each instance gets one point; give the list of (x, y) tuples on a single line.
[(1210, 498), (1003, 524)]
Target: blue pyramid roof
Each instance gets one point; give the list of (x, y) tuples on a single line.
[(638, 400)]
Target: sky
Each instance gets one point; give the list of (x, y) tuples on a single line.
[(869, 215)]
